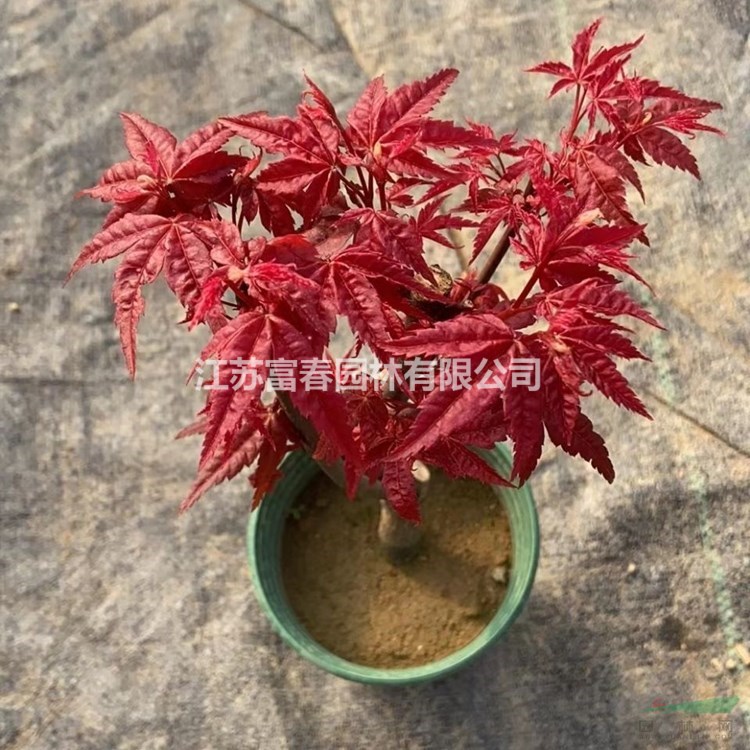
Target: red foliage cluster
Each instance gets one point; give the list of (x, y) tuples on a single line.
[(345, 213)]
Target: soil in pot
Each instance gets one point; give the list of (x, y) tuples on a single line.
[(358, 605)]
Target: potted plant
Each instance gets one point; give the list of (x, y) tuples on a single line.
[(317, 222)]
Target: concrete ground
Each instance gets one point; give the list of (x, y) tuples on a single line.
[(125, 626)]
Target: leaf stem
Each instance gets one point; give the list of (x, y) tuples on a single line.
[(575, 118), (383, 199), (239, 293)]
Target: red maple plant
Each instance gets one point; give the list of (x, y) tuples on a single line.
[(336, 224)]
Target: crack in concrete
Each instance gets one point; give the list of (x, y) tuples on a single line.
[(347, 41), (667, 404), (284, 24)]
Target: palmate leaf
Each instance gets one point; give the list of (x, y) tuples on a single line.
[(180, 175), (380, 116), (265, 436), (646, 130), (600, 185), (308, 178), (587, 69), (149, 243), (390, 133)]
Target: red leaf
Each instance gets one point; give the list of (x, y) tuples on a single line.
[(281, 135), (621, 163), (466, 336), (248, 337), (400, 490), (326, 409), (364, 115), (148, 243), (131, 230), (559, 69), (666, 148), (198, 427), (242, 451), (140, 266), (582, 44), (445, 412), (603, 373), (601, 338), (149, 142), (394, 237), (188, 261), (443, 134), (589, 445), (279, 438), (410, 102), (524, 409), (459, 462), (182, 245), (290, 176), (323, 102), (599, 185), (122, 183), (209, 300), (603, 299), (562, 394), (203, 142), (358, 300)]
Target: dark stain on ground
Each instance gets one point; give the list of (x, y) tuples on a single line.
[(672, 632)]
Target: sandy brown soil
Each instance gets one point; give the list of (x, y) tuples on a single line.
[(359, 605)]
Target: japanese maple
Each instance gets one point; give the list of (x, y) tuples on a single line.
[(318, 219)]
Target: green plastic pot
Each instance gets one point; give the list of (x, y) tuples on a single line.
[(264, 535)]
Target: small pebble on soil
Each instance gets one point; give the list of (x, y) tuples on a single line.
[(741, 650), (499, 574)]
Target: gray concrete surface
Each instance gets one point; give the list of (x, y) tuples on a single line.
[(124, 626)]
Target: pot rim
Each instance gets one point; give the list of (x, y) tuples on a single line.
[(298, 468)]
